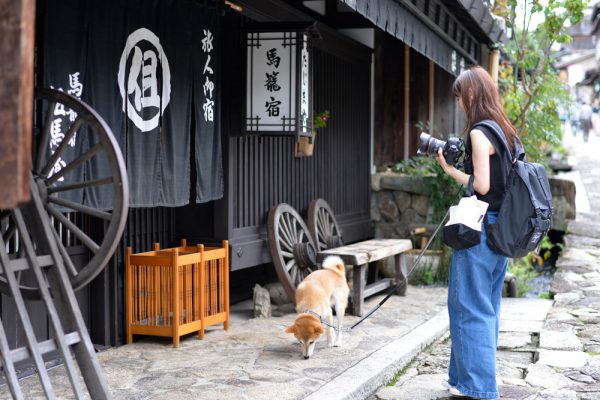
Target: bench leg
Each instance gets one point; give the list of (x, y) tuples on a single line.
[(401, 274), (359, 283)]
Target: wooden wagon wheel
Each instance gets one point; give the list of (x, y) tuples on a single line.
[(323, 225), (292, 247), (89, 126)]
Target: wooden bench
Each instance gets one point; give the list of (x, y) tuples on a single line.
[(360, 255)]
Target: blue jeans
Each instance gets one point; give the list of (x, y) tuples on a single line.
[(474, 295)]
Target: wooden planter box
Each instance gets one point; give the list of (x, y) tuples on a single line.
[(176, 291)]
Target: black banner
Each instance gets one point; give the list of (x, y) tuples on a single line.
[(141, 61), (209, 184)]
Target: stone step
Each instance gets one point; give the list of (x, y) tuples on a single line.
[(584, 227)]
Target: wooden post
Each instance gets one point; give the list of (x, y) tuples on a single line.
[(128, 295), (358, 289), (175, 323), (17, 22), (493, 61), (431, 94), (226, 282), (202, 289), (406, 99), (401, 273)]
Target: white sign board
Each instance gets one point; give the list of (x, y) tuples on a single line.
[(278, 84)]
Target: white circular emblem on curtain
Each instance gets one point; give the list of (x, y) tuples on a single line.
[(141, 62)]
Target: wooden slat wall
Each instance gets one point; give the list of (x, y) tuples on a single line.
[(266, 173)]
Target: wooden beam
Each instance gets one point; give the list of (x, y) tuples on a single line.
[(406, 100), (493, 60), (17, 21), (431, 94)]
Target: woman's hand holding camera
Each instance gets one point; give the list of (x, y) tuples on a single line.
[(451, 170), (442, 161)]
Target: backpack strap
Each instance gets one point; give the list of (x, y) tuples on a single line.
[(470, 189), (494, 127)]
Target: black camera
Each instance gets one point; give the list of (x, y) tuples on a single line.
[(451, 149)]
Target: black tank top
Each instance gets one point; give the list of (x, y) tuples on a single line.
[(498, 172)]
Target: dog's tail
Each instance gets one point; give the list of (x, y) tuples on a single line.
[(335, 264)]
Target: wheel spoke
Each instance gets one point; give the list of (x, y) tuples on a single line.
[(284, 241), (294, 275), (62, 146), (288, 229), (44, 136), (286, 245), (285, 238), (65, 255), (80, 207), (324, 227), (321, 224), (300, 235), (75, 163), (85, 239), (301, 275), (80, 185), (289, 265), (331, 228), (286, 254), (294, 230)]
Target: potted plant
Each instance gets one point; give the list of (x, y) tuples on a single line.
[(305, 145)]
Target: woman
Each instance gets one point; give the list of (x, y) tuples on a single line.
[(477, 274)]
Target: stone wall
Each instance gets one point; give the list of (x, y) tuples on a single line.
[(397, 201)]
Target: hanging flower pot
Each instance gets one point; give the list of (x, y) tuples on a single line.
[(305, 145)]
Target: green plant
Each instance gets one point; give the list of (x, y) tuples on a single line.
[(423, 275), (537, 258), (320, 120), (530, 87), (521, 268), (545, 296), (425, 126), (443, 272)]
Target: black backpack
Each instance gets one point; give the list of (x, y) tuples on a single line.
[(525, 215)]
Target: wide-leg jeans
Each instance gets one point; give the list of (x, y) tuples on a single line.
[(474, 296)]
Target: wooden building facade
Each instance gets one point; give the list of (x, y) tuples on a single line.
[(381, 68)]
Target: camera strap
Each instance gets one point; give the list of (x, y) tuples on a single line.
[(393, 288)]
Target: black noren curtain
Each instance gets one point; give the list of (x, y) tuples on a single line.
[(138, 62)]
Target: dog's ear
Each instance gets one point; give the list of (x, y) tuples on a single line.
[(319, 329), (291, 329)]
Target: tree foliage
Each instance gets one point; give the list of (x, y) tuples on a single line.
[(529, 85)]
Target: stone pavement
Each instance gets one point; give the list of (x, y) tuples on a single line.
[(256, 359), (556, 357), (521, 322)]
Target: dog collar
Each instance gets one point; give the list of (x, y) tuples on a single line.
[(323, 321)]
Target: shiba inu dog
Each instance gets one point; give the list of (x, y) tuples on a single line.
[(315, 296)]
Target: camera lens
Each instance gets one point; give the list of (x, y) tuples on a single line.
[(429, 145)]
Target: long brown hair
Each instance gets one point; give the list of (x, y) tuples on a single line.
[(481, 100)]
